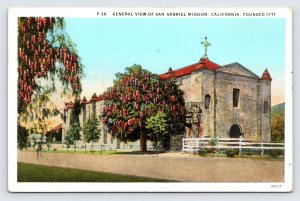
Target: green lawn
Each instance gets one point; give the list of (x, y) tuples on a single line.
[(39, 173)]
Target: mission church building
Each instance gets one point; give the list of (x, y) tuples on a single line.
[(224, 101)]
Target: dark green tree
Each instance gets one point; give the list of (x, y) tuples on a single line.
[(74, 134), (91, 130), (136, 95), (22, 137), (75, 127)]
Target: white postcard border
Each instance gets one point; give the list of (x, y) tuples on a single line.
[(14, 186)]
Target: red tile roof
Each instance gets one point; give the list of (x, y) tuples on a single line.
[(83, 101), (69, 105), (202, 64), (266, 75), (94, 98), (56, 128), (100, 97)]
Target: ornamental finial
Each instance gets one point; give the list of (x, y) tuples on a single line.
[(205, 43)]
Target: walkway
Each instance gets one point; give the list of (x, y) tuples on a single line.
[(171, 166)]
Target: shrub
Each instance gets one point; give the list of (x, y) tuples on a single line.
[(213, 142), (48, 145), (274, 153), (231, 153), (22, 137), (202, 152)]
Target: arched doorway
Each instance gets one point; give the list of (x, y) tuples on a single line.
[(235, 131)]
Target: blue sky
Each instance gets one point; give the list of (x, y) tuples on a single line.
[(108, 45)]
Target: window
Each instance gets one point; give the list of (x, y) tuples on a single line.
[(207, 101), (65, 116), (111, 140), (94, 108), (104, 138), (84, 113), (236, 96), (266, 107)]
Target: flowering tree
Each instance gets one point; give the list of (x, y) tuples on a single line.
[(43, 48), (136, 95), (46, 54)]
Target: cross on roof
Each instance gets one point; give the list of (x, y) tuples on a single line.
[(205, 43)]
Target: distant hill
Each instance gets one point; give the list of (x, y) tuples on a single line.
[(278, 109)]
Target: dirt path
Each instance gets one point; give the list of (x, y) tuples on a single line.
[(179, 167)]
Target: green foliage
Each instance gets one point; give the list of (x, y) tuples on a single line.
[(277, 123), (231, 152), (136, 95), (91, 130), (251, 152), (54, 136), (277, 128), (68, 139), (73, 134), (203, 152), (157, 126), (22, 137), (274, 153), (278, 109), (74, 118), (213, 141)]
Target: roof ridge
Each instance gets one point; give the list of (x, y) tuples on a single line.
[(204, 63)]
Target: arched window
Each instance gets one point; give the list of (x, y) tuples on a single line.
[(207, 101), (266, 107), (236, 96)]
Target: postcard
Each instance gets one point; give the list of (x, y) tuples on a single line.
[(150, 100)]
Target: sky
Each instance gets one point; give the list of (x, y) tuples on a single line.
[(108, 45)]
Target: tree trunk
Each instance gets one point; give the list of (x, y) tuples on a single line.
[(143, 141)]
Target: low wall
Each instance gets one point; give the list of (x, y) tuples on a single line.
[(179, 167)]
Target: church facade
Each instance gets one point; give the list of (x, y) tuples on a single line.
[(227, 101)]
